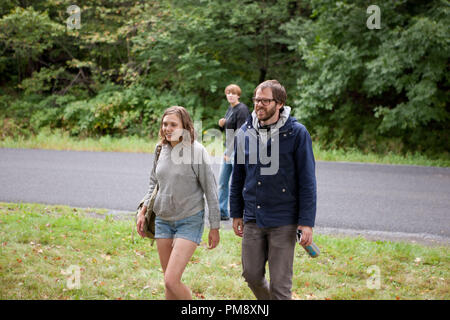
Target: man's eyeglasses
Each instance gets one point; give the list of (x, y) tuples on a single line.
[(264, 102)]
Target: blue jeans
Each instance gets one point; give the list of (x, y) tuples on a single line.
[(190, 228), (224, 187)]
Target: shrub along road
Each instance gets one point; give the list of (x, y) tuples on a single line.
[(385, 202)]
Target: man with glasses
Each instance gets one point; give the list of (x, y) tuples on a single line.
[(267, 209), (236, 115)]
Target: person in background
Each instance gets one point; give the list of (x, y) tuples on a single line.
[(235, 116)]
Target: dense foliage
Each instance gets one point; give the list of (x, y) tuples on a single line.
[(378, 90)]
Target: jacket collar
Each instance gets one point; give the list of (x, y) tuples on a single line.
[(284, 124)]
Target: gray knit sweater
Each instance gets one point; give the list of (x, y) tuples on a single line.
[(184, 177)]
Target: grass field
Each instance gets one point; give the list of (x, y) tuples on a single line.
[(59, 140), (59, 252)]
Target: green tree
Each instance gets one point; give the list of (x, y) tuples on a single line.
[(25, 35), (363, 87), (377, 90)]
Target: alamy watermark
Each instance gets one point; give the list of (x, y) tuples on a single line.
[(74, 277), (374, 20), (74, 20), (251, 147), (374, 280)]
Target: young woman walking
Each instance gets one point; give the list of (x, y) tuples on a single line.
[(184, 177)]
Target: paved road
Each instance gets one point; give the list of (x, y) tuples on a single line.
[(382, 200)]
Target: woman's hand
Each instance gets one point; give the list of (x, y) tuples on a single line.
[(213, 238), (140, 222)]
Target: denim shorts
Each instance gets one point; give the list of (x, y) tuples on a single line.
[(190, 228)]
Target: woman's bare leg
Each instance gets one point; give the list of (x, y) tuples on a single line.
[(164, 250), (174, 261)]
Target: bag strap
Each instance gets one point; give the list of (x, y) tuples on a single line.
[(155, 163), (157, 153)]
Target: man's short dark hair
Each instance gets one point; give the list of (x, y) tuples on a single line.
[(278, 91)]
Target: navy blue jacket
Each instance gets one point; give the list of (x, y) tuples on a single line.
[(287, 197)]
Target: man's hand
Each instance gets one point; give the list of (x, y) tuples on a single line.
[(213, 238), (238, 226), (222, 122), (307, 235)]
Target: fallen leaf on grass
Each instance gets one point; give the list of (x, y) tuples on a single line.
[(140, 254), (199, 295), (310, 296), (295, 296), (106, 257), (36, 250), (98, 283)]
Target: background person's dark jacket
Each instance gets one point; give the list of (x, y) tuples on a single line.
[(234, 118)]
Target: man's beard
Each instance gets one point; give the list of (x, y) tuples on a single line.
[(269, 112)]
